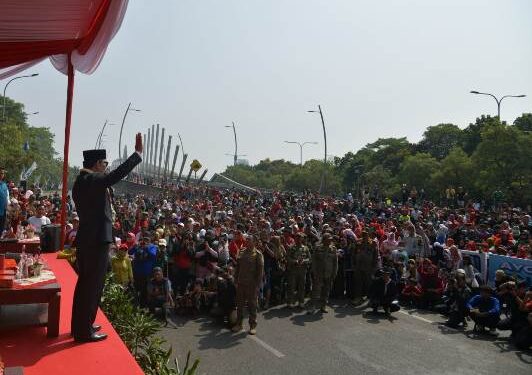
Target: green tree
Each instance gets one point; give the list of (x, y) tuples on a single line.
[(524, 122), (390, 152), (438, 140), (21, 145), (473, 133), (502, 160), (12, 154), (378, 179), (416, 171), (14, 112), (455, 170)]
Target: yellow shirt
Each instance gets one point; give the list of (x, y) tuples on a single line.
[(122, 270)]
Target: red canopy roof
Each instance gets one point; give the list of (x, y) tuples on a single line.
[(32, 30)]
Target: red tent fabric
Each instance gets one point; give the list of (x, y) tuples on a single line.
[(32, 30), (74, 34)]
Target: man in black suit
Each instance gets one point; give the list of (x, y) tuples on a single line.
[(92, 196), (383, 292)]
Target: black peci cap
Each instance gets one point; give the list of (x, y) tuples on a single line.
[(94, 155)]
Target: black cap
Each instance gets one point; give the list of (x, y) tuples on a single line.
[(94, 155)]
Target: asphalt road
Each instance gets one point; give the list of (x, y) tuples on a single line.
[(347, 340)]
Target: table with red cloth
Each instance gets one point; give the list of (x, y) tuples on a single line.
[(48, 293), (30, 245)]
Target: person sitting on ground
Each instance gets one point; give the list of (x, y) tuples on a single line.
[(159, 293), (411, 293), (458, 295), (431, 284), (383, 293), (501, 278), (484, 309), (513, 295), (523, 337)]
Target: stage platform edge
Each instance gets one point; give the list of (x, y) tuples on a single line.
[(29, 347)]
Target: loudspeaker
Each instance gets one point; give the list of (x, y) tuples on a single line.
[(50, 238)]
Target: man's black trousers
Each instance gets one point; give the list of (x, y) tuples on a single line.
[(92, 262)]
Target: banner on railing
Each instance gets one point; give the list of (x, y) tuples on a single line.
[(479, 262), (520, 269)]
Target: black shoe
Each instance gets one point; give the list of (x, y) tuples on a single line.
[(92, 338), (94, 328)]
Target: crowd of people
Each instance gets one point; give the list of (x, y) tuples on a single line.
[(205, 250)]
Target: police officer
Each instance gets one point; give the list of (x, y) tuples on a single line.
[(248, 277), (324, 269), (298, 259), (92, 197)]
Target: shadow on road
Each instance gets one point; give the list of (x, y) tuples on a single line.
[(302, 319), (341, 311), (217, 336), (280, 312), (375, 318), (504, 343)]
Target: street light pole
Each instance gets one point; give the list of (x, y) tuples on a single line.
[(181, 141), (122, 127), (324, 177), (301, 148), (101, 135), (497, 100), (236, 143), (5, 88)]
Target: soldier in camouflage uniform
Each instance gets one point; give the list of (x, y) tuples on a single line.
[(324, 268), (298, 258), (248, 277)]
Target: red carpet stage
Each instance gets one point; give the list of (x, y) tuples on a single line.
[(30, 348)]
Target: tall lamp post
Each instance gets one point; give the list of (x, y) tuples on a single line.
[(235, 156), (301, 148), (101, 134), (181, 142), (129, 108), (5, 88), (324, 176), (497, 100)]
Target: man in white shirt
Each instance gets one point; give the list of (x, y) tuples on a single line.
[(38, 220)]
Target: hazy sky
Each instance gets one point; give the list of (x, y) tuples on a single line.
[(378, 68)]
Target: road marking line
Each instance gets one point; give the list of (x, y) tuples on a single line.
[(416, 317), (274, 351)]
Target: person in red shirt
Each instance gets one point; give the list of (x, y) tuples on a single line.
[(237, 243), (411, 293), (431, 284), (288, 239), (141, 223), (183, 252)]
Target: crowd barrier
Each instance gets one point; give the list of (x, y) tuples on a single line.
[(487, 264)]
